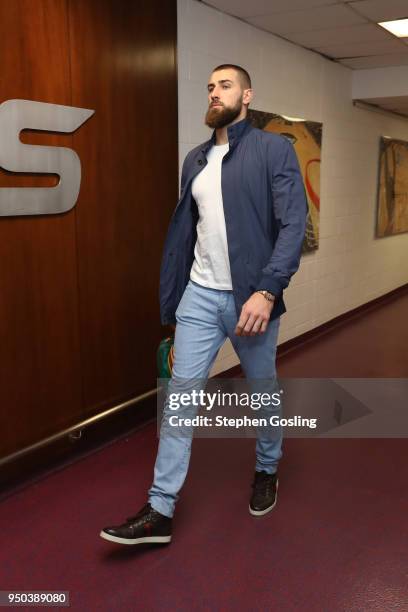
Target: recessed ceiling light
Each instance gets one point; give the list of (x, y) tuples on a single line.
[(398, 28)]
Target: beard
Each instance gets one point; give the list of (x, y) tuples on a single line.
[(220, 116)]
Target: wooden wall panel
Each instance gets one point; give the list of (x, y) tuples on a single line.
[(39, 341), (79, 312), (123, 62)]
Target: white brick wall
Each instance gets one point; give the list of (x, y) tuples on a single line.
[(350, 266)]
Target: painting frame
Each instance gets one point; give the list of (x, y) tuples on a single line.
[(391, 217)]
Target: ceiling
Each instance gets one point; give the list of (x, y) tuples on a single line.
[(343, 30)]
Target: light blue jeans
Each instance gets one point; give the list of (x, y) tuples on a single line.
[(205, 318)]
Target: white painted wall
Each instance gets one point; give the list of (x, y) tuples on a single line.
[(350, 267), (380, 82)]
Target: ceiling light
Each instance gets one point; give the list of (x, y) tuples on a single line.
[(398, 28), (294, 119)]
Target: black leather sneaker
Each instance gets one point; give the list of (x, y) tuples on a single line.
[(147, 526), (265, 493)]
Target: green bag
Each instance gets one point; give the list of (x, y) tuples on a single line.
[(165, 357)]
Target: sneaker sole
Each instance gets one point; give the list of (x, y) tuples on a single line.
[(262, 512), (146, 540)]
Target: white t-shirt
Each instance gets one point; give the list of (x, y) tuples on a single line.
[(211, 263)]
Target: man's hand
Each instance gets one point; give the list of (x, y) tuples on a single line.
[(254, 317)]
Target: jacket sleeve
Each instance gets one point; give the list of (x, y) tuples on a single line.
[(290, 210)]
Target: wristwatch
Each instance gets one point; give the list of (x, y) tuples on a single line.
[(267, 295)]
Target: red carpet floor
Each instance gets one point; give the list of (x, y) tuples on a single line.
[(336, 541)]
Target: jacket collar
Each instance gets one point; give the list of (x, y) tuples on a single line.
[(234, 132)]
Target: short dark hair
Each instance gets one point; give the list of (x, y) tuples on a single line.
[(242, 73)]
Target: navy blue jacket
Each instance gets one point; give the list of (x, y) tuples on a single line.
[(265, 211)]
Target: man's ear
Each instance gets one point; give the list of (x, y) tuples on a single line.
[(248, 95)]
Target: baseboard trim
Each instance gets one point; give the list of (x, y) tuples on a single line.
[(57, 452), (340, 320)]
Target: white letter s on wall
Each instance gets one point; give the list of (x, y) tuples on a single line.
[(17, 115)]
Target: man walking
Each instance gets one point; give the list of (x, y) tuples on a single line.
[(233, 244)]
